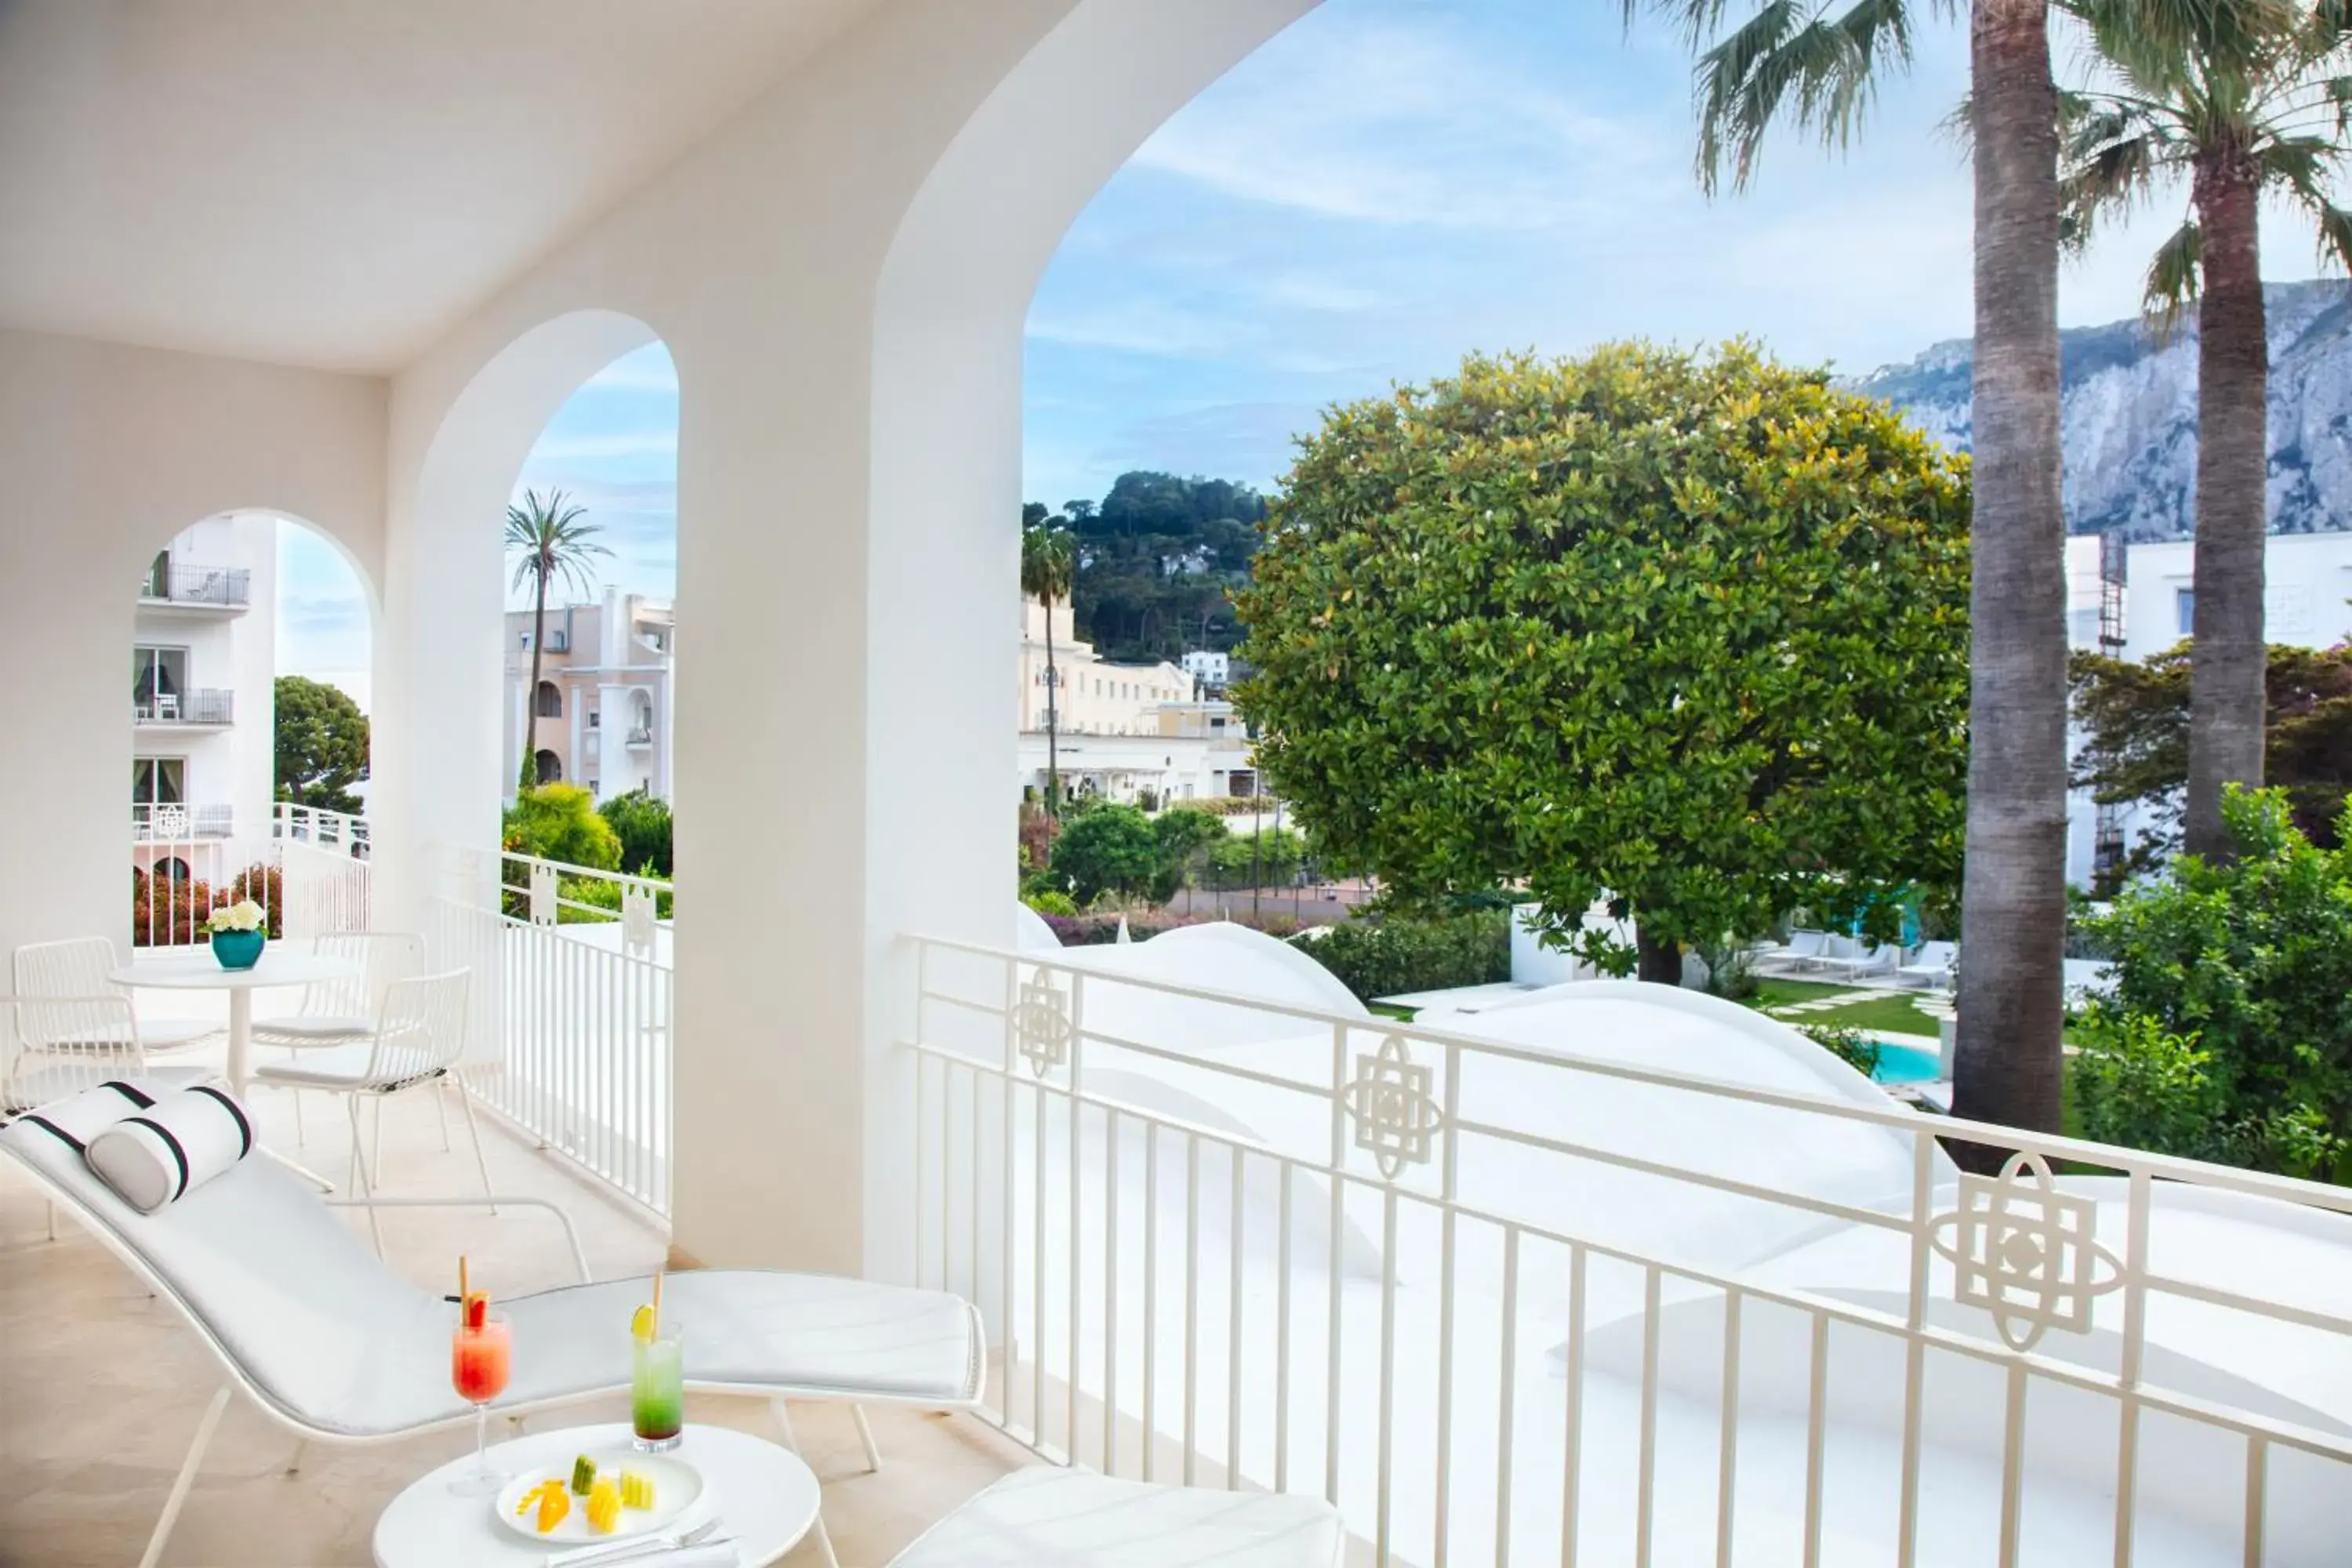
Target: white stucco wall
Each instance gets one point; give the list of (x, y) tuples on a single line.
[(842, 278), (110, 451)]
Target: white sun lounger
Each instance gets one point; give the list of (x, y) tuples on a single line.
[(1932, 964), (1803, 948), (336, 1347)]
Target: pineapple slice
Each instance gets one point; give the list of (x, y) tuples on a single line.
[(636, 1490), (604, 1506), (552, 1506)]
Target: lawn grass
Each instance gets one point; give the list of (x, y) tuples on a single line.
[(1781, 993), (1889, 1013)]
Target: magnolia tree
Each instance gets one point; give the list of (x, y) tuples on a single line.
[(1685, 633)]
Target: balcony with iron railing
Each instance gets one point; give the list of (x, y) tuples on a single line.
[(201, 708), (190, 585), (1604, 1293)]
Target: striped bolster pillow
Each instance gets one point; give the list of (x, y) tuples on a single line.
[(173, 1147)]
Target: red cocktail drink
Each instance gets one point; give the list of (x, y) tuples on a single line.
[(481, 1358)]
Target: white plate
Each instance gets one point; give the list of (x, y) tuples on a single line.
[(678, 1485)]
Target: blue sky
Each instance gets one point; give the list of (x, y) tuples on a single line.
[(1385, 186)]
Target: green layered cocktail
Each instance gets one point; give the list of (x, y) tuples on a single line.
[(656, 1383)]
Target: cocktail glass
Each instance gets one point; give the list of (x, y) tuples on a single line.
[(481, 1358), (657, 1390)]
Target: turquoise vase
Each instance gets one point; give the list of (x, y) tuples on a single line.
[(237, 948)]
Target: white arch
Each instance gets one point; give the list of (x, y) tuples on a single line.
[(944, 487), (439, 648)]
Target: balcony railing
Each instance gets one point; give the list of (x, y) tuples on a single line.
[(308, 869), (205, 705), (185, 583), (570, 1003), (1507, 1304)]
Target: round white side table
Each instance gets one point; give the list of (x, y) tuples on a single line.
[(200, 971), (765, 1497)]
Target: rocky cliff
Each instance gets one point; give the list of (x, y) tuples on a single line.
[(2128, 416)]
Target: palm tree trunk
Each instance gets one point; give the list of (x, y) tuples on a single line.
[(2013, 909), (2226, 656), (528, 774), (1053, 740)]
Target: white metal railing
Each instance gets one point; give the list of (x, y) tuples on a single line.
[(177, 581), (198, 705), (308, 868), (570, 1034), (290, 823), (149, 820), (1503, 1304)]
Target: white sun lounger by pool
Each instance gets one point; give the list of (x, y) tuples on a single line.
[(336, 1347)]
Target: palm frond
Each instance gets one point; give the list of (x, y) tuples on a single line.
[(555, 542), (1816, 69), (2173, 277)]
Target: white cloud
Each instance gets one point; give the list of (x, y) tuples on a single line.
[(1396, 123), (608, 444)]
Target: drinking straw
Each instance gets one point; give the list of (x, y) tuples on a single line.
[(657, 1288), (461, 1282)]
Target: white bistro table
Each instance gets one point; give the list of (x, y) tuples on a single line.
[(765, 1498), (200, 971)]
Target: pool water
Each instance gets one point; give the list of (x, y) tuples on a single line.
[(1906, 1064)]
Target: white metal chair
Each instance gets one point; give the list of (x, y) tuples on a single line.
[(78, 967), (343, 1012), (295, 1308), (1853, 957), (418, 1034), (69, 1043)]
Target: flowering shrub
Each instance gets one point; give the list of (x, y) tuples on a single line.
[(167, 912)]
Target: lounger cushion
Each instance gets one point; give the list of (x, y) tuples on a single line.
[(1052, 1518), (338, 1341), (169, 1148)]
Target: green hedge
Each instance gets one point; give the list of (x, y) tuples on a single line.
[(1383, 958)]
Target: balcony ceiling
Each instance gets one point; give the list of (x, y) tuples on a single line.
[(335, 182)]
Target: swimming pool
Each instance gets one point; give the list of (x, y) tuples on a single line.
[(1906, 1064)]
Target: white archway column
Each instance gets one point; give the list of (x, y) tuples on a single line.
[(770, 720)]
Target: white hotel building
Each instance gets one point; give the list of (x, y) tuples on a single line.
[(2306, 602), (1122, 730), (203, 665)]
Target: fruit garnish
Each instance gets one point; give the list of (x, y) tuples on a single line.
[(636, 1490), (604, 1507), (641, 1325), (552, 1507), (539, 1495), (477, 1309), (584, 1474)]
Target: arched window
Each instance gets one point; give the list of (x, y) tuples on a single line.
[(550, 700), (550, 768)]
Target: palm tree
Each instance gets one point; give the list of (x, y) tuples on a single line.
[(1819, 71), (2252, 101), (554, 542), (1047, 566)]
